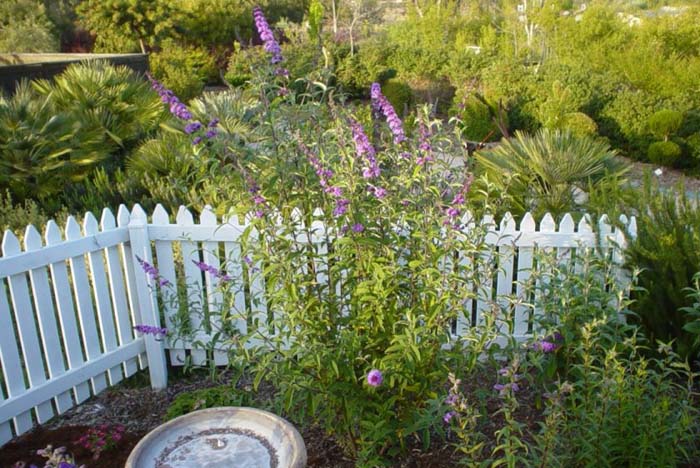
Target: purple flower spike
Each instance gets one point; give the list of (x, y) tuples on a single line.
[(151, 330), (152, 272), (270, 44), (357, 227), (341, 207), (212, 270), (363, 148), (375, 378), (379, 101)]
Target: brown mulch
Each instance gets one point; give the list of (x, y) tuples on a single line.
[(668, 179)]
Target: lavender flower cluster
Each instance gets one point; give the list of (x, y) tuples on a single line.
[(212, 270), (380, 102), (258, 199), (548, 344), (152, 271), (270, 44), (363, 148), (324, 175), (453, 211), (179, 110), (151, 330), (509, 373)]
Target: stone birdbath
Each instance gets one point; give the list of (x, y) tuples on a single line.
[(221, 437)]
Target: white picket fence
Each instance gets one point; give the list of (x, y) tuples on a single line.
[(68, 303)]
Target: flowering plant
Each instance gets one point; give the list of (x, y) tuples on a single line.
[(55, 458), (101, 439), (357, 234)]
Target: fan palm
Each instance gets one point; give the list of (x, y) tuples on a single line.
[(543, 172), (40, 151)]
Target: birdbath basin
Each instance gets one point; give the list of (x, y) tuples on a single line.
[(221, 437)]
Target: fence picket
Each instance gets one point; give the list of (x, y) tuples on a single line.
[(193, 276), (66, 312), (86, 313), (101, 291), (234, 268), (524, 270), (46, 318), (210, 256), (506, 258), (484, 293), (258, 301), (166, 268), (116, 284), (26, 326), (123, 219), (12, 369)]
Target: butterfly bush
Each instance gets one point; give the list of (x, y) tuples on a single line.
[(354, 241)]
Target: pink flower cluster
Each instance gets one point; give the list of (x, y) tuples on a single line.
[(101, 438)]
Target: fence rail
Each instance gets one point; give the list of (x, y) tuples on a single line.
[(69, 301)]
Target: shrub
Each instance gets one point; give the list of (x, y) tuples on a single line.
[(184, 69), (222, 395), (665, 123), (477, 118), (579, 124), (664, 153), (114, 101), (24, 27), (356, 72), (540, 173), (241, 63), (41, 152), (399, 95), (666, 251)]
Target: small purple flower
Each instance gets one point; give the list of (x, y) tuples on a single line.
[(282, 72), (357, 227), (451, 399), (334, 191), (151, 330), (213, 123), (247, 260), (210, 134), (378, 192), (545, 346), (196, 140), (454, 210), (375, 378), (283, 92), (341, 207), (192, 127), (270, 44), (448, 416), (503, 371), (499, 387)]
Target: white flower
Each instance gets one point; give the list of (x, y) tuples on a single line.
[(658, 172)]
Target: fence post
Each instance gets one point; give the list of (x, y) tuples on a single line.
[(146, 292)]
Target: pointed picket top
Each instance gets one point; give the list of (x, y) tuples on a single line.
[(507, 223), (604, 223), (10, 244), (90, 224), (548, 224), (623, 219), (585, 224), (107, 221), (208, 217), (297, 217), (160, 215), (138, 213), (468, 218), (32, 239), (184, 217), (53, 233), (123, 216), (567, 224), (528, 223), (318, 213), (73, 229), (232, 219)]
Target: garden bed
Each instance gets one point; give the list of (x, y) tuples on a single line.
[(134, 405)]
